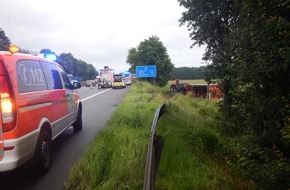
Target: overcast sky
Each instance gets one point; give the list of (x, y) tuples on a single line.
[(99, 32)]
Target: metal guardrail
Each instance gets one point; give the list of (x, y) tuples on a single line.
[(154, 151)]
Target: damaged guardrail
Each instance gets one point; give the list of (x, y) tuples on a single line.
[(154, 151)]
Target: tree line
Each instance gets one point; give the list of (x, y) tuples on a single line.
[(247, 48), (188, 73), (77, 67)]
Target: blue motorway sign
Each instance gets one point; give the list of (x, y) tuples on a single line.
[(146, 71)]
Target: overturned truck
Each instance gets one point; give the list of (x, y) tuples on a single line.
[(211, 91)]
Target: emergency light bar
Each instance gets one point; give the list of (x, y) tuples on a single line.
[(49, 56), (13, 48)]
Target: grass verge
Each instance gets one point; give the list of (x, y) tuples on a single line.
[(117, 157)]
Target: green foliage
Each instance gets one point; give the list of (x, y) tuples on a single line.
[(268, 167), (265, 67), (152, 52), (186, 73), (248, 46), (76, 67), (4, 41), (68, 62)]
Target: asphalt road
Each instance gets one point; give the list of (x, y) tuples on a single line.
[(98, 105)]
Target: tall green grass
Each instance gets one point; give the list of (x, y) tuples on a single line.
[(116, 158), (188, 159)]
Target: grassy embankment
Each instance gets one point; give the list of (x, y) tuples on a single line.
[(117, 157)]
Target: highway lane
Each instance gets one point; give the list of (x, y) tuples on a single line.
[(98, 105)]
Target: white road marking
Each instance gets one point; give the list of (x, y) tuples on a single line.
[(94, 95)]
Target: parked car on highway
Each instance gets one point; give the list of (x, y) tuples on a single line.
[(37, 103)]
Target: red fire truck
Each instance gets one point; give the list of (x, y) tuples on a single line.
[(106, 78)]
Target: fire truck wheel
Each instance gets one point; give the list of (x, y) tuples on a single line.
[(43, 154), (78, 124)]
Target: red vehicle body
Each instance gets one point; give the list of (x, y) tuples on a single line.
[(37, 103), (211, 91)]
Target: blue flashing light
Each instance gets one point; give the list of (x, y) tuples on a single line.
[(50, 56), (126, 74)]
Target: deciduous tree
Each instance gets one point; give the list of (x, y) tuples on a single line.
[(4, 41), (248, 44), (152, 52)]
